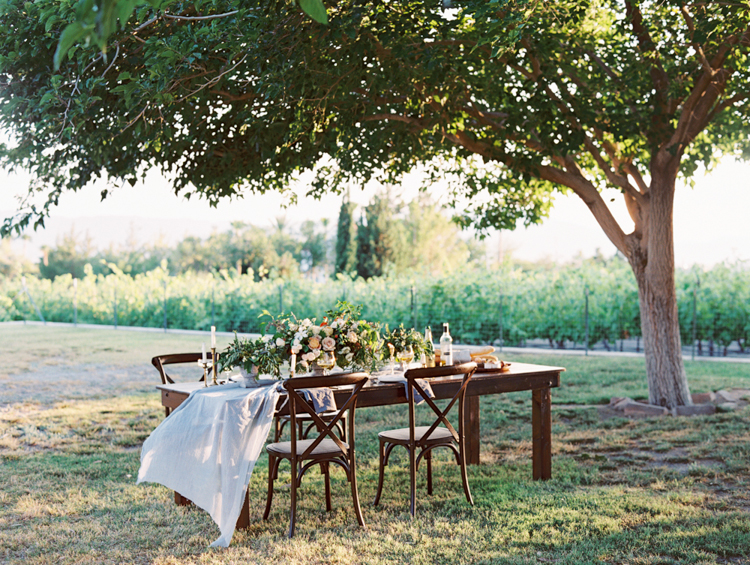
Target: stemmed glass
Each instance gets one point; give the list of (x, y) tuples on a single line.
[(326, 360), (406, 356)]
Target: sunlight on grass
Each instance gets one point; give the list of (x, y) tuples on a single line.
[(650, 491)]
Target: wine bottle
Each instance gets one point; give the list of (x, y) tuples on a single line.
[(446, 346), (429, 356)]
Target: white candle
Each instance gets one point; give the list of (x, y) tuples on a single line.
[(292, 364), (203, 351), (213, 337)]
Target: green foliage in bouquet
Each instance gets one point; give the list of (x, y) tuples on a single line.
[(401, 338), (261, 353), (354, 342)]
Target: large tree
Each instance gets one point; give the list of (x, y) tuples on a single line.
[(507, 101)]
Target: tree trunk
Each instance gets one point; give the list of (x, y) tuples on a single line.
[(654, 273)]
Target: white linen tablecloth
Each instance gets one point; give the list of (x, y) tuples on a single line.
[(206, 449)]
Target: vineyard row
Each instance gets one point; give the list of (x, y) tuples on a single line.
[(584, 306)]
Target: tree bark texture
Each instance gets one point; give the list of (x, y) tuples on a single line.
[(652, 260)]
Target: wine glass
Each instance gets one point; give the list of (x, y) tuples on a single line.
[(326, 360), (406, 356)]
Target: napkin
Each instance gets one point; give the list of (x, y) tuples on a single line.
[(322, 399), (400, 378)]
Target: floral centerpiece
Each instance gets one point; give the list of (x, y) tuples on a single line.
[(354, 342), (255, 357), (400, 339), (358, 341)]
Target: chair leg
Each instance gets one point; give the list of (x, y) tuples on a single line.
[(355, 494), (465, 477), (325, 470), (269, 496), (412, 480), (293, 507), (428, 456), (277, 425), (381, 472)]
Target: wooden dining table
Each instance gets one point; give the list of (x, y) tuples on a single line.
[(539, 379)]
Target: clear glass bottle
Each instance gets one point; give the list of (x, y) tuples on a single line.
[(429, 356), (446, 346)]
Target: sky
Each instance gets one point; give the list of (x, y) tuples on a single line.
[(711, 219)]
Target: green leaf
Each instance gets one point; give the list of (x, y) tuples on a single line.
[(72, 33), (315, 9)]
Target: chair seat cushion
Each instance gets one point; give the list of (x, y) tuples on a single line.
[(401, 435), (326, 448)]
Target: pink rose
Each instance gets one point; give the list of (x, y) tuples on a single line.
[(329, 343)]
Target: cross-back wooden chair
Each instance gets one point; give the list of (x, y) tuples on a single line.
[(419, 441), (326, 448), (304, 424), (161, 361)]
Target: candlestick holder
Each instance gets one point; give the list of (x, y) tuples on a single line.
[(205, 364), (213, 366)]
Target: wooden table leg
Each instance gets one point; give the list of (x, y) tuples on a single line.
[(180, 500), (541, 423), (471, 429), (243, 520)]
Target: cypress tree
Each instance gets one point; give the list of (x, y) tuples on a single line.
[(346, 239)]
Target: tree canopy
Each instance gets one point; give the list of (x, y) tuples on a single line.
[(574, 94), (505, 101)]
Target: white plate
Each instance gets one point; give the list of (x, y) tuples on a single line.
[(391, 378)]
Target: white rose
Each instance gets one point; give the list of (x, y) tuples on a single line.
[(329, 343), (350, 356), (346, 350), (293, 327), (352, 337), (280, 342), (316, 330), (316, 353), (306, 323), (328, 330), (267, 338), (296, 348), (309, 356)]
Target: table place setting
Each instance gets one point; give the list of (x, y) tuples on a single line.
[(206, 448)]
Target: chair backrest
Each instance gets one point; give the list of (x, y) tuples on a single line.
[(326, 429), (465, 370), (160, 361)]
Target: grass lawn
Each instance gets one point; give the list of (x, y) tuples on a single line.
[(76, 405)]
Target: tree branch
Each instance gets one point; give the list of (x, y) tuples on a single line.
[(197, 18), (647, 47), (591, 197), (612, 176), (213, 80), (698, 49), (117, 52)]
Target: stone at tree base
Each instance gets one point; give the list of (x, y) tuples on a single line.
[(622, 403), (725, 396), (615, 399), (740, 393), (727, 406), (638, 409), (703, 397), (694, 410)]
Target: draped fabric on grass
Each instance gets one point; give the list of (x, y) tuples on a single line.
[(207, 448)]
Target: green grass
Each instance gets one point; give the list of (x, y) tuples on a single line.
[(77, 404)]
